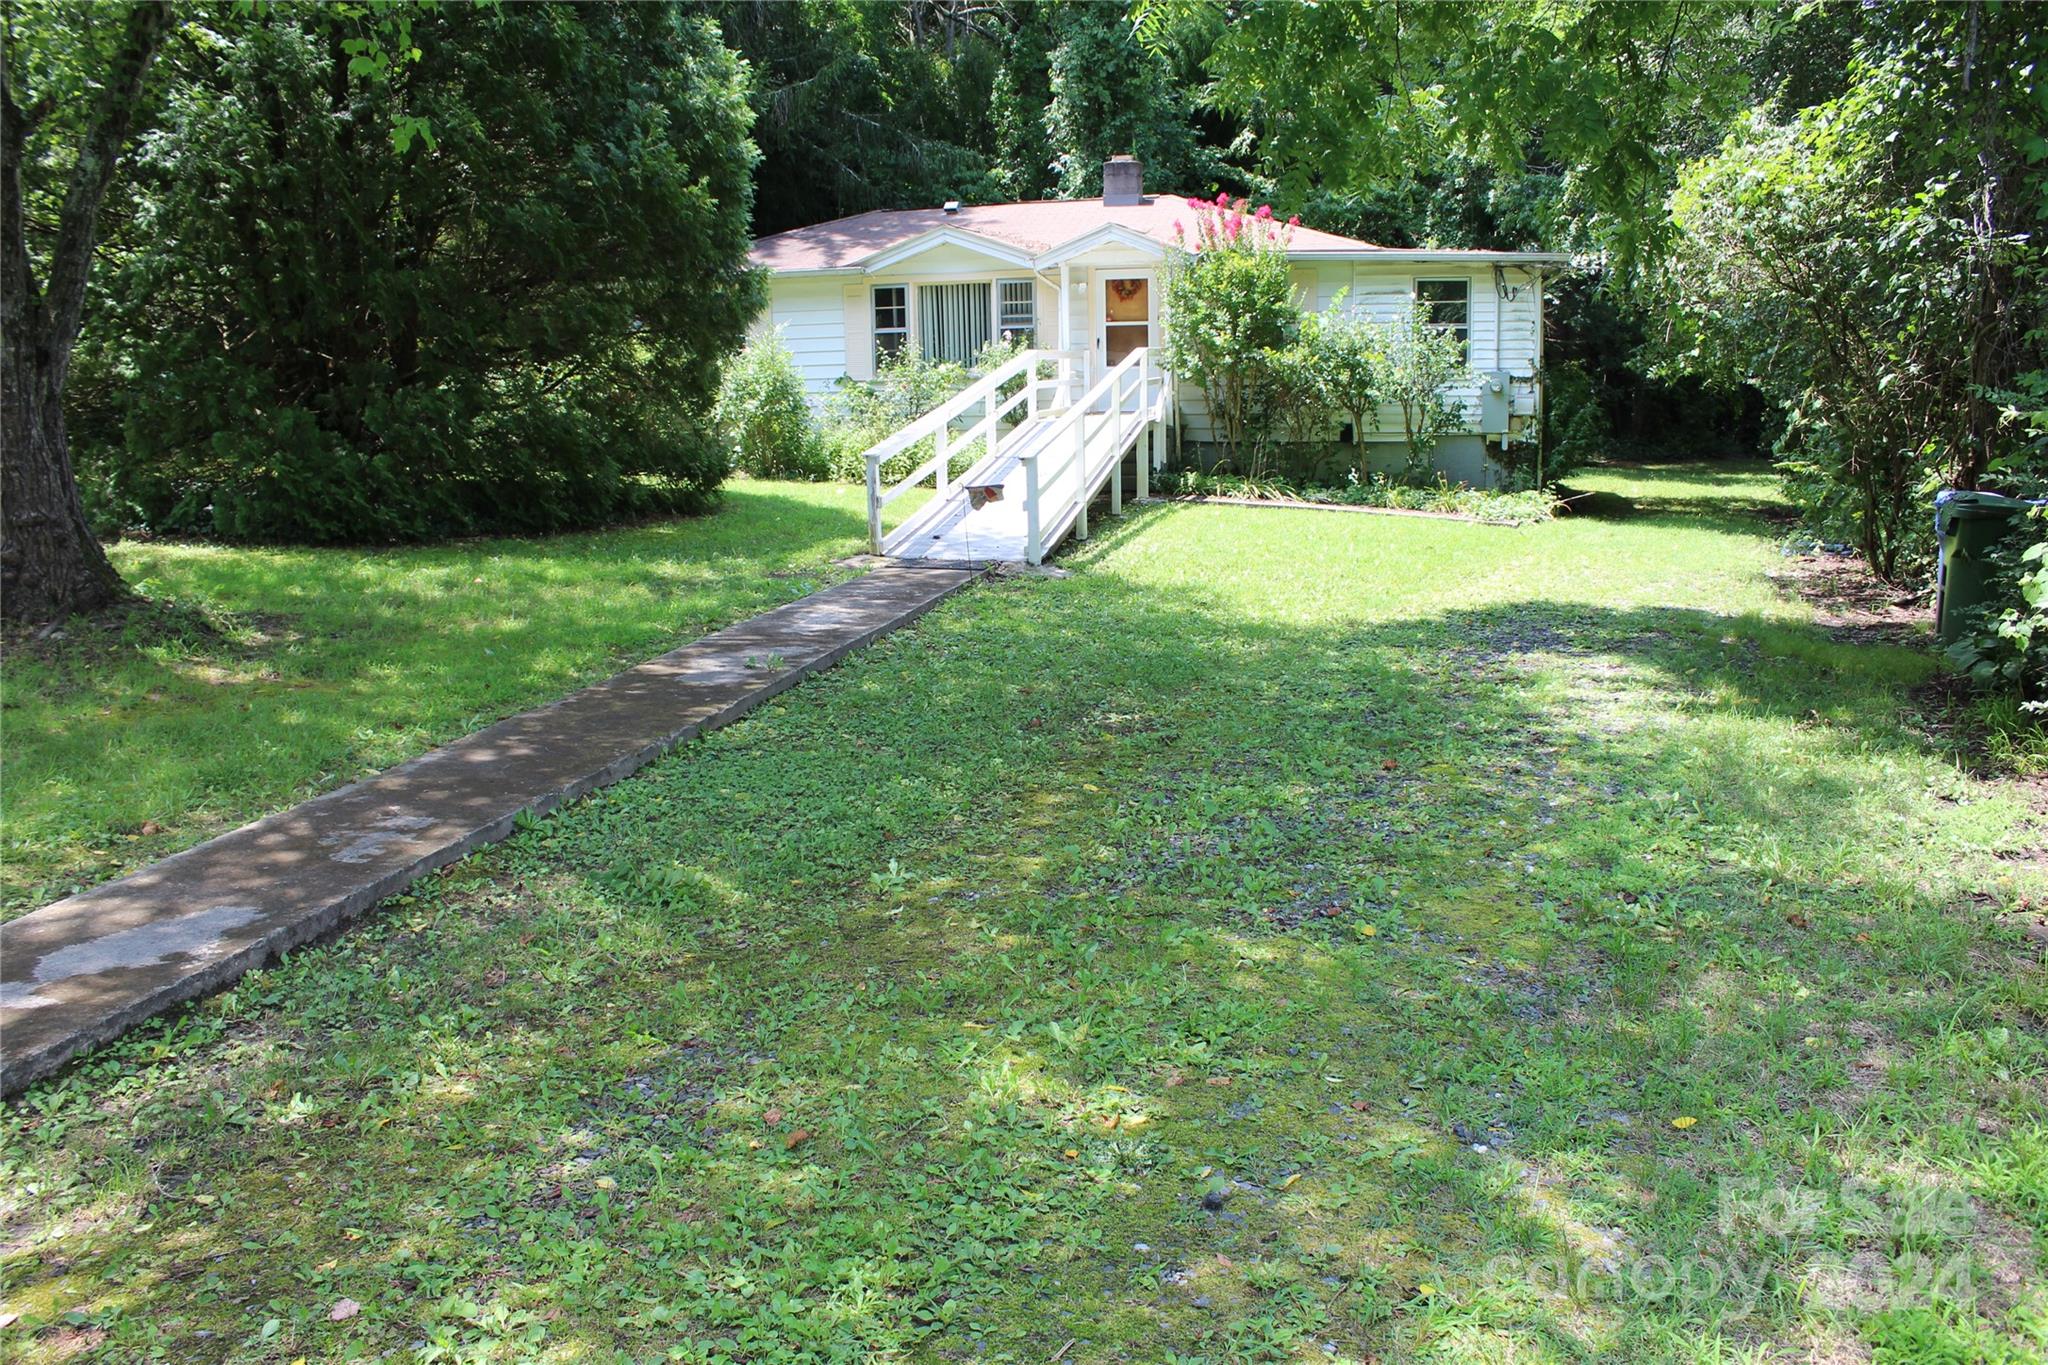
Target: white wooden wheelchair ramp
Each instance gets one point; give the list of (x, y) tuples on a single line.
[(1032, 486)]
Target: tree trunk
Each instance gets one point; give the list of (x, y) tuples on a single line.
[(50, 564)]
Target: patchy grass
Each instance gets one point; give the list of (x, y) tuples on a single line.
[(1292, 937), (254, 678)]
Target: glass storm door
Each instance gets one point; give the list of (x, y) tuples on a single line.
[(1126, 316)]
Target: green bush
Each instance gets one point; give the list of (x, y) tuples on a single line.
[(1575, 431), (1231, 297), (906, 386), (764, 416), (310, 335)]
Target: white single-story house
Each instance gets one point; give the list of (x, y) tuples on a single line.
[(1083, 276)]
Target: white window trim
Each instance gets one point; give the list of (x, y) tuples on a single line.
[(912, 333), (874, 312), (1415, 294), (1030, 287)]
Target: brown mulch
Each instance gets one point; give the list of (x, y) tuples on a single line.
[(1853, 604)]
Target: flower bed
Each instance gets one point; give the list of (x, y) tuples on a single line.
[(1442, 498)]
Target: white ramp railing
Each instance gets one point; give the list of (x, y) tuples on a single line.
[(1065, 455), (1085, 447), (937, 426)]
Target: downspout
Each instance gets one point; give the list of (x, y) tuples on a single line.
[(1542, 403), (1067, 334)]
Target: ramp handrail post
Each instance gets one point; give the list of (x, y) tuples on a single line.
[(995, 423), (1116, 455), (874, 503), (1033, 550), (944, 469), (1081, 476)]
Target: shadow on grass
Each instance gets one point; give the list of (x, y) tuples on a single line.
[(316, 665), (1735, 498), (941, 910)]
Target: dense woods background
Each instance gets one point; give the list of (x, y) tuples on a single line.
[(401, 272)]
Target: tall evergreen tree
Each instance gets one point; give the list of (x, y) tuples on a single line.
[(518, 327)]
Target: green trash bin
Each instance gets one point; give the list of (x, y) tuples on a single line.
[(1967, 524)]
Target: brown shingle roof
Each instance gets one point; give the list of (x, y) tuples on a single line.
[(1034, 227)]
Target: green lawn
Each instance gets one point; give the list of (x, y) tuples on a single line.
[(127, 743), (1293, 937)]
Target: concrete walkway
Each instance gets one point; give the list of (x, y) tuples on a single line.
[(87, 968)]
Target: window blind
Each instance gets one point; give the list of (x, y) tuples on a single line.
[(954, 320)]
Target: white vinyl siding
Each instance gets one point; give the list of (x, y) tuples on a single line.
[(811, 316), (953, 321)]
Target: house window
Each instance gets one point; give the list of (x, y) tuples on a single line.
[(892, 319), (1448, 304), (1017, 311), (954, 321)]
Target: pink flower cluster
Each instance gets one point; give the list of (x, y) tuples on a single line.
[(1224, 222)]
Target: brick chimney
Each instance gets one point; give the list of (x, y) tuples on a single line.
[(1123, 181)]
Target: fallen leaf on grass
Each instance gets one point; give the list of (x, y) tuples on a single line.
[(772, 1117), (796, 1138), (343, 1310)]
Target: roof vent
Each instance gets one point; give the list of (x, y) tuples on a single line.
[(952, 206), (1123, 181)]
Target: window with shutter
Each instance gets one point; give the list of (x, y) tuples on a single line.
[(892, 319)]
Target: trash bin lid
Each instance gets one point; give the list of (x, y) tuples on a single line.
[(1971, 504)]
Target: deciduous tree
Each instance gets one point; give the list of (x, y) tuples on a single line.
[(82, 88)]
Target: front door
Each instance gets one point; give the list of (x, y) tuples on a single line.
[(1125, 315)]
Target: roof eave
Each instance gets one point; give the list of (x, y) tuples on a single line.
[(1108, 234), (1399, 256), (943, 236)]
